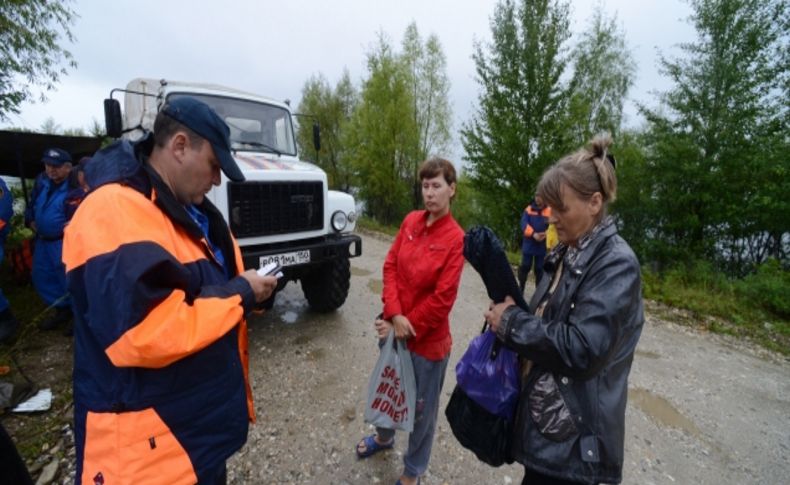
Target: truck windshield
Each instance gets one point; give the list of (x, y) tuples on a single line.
[(253, 126)]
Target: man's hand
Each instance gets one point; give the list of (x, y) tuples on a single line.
[(494, 314), (403, 328), (262, 286), (539, 236)]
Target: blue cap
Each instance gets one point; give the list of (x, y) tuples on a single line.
[(55, 156), (200, 118)]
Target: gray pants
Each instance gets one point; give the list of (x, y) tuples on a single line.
[(429, 375)]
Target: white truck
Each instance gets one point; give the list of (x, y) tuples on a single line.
[(283, 212)]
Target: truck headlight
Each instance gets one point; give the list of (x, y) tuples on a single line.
[(352, 216), (339, 221)]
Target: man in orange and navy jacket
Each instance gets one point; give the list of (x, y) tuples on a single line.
[(161, 388), (534, 223)]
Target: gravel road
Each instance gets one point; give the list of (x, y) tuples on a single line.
[(702, 409)]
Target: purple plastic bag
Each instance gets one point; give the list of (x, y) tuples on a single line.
[(493, 383)]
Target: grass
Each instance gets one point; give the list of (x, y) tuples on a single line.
[(513, 257), (741, 308), (46, 359)]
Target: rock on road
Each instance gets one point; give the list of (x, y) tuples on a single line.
[(702, 409)]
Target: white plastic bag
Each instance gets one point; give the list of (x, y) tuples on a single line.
[(392, 389)]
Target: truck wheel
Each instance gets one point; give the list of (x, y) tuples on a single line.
[(326, 287)]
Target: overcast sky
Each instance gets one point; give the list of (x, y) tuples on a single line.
[(272, 47)]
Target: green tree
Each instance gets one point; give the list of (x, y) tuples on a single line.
[(634, 208), (50, 126), (332, 110), (426, 65), (96, 129), (402, 118), (773, 205), (316, 96), (381, 134), (74, 132), (31, 34), (520, 124), (467, 207), (603, 72), (721, 140)]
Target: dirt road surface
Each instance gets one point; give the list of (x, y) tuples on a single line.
[(702, 409)]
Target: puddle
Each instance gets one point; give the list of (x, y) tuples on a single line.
[(328, 388), (360, 272), (316, 354), (661, 410), (375, 286), (289, 310), (289, 317), (648, 354), (349, 414), (302, 339)]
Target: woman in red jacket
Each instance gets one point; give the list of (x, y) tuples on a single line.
[(421, 276)]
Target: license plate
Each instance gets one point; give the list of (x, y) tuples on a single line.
[(286, 259)]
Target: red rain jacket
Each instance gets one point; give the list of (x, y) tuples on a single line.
[(421, 277)]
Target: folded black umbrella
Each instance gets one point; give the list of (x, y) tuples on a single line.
[(487, 256), (486, 434)]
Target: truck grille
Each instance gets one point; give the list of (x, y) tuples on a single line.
[(269, 208)]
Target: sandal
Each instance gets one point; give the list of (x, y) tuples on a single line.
[(372, 446)]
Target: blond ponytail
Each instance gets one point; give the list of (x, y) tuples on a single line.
[(598, 149), (586, 171)]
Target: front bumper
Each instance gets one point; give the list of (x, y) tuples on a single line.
[(322, 250)]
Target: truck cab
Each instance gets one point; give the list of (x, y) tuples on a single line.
[(283, 212)]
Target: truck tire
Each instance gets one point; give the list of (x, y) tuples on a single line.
[(326, 287)]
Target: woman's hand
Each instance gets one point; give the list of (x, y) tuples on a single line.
[(403, 328), (494, 314), (383, 327)]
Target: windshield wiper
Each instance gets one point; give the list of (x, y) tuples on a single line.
[(258, 144)]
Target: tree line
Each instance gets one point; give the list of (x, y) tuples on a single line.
[(375, 137), (705, 177)]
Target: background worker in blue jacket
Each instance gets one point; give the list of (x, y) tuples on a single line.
[(534, 223), (8, 324), (46, 215), (78, 188)]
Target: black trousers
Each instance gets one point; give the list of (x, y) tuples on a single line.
[(12, 467), (527, 262)]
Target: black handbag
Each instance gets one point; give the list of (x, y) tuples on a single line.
[(487, 435), (483, 433)]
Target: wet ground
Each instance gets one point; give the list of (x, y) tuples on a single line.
[(702, 409)]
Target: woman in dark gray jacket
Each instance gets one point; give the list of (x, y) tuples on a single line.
[(578, 340)]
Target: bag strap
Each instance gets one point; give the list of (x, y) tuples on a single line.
[(495, 348)]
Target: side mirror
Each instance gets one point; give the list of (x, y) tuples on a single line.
[(316, 137), (113, 122)]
